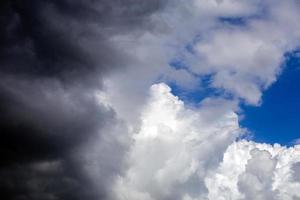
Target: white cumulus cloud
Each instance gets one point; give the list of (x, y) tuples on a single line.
[(175, 148), (252, 170), (195, 153), (192, 154)]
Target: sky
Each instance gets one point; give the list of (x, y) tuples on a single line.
[(149, 100), (279, 108), (275, 119)]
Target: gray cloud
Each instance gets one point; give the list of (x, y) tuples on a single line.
[(53, 56)]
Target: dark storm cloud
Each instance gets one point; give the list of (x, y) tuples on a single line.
[(67, 38), (45, 118), (53, 55)]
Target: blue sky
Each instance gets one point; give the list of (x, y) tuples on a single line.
[(277, 119)]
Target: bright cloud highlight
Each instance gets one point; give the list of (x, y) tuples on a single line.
[(182, 153)]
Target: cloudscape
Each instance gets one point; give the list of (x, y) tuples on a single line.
[(149, 100)]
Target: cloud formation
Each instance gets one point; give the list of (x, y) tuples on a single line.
[(175, 148), (187, 154), (252, 170), (54, 55), (78, 120)]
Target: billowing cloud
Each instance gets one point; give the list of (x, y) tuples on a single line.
[(236, 47), (179, 153), (175, 148), (54, 55), (252, 170), (78, 120)]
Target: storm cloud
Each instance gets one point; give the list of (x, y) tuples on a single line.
[(53, 57)]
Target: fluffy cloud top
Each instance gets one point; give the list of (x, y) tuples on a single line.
[(175, 148), (252, 170), (180, 153)]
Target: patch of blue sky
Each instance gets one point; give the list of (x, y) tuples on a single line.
[(237, 21), (178, 63), (190, 48), (277, 120), (194, 96), (244, 20)]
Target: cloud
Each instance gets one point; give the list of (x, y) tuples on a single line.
[(256, 171), (54, 55), (250, 52), (78, 121), (184, 153), (237, 46), (175, 148), (296, 141)]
